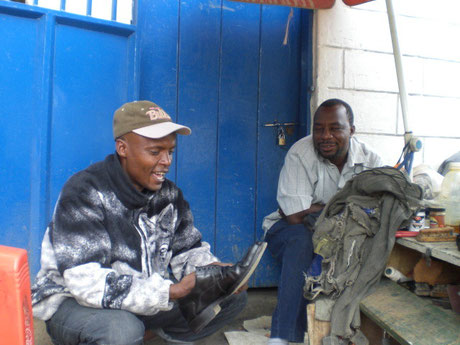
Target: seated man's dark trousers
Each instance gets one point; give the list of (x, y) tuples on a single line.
[(292, 246), (74, 324)]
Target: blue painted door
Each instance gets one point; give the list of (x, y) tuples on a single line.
[(61, 77), (223, 69)]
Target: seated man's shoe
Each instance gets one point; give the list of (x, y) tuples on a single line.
[(213, 284)]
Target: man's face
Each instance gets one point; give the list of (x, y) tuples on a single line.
[(332, 132), (145, 160)]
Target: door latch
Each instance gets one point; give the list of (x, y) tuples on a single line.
[(281, 136), (281, 130), (277, 124)]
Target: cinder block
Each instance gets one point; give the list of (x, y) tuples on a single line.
[(417, 8), (388, 147), (377, 72), (373, 6), (436, 150), (330, 68), (413, 74), (370, 71), (347, 27), (433, 116), (431, 71), (441, 78), (400, 124), (374, 112), (439, 40), (429, 38), (425, 9), (412, 35)]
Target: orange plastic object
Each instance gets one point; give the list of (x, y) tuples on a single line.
[(16, 319), (402, 233)]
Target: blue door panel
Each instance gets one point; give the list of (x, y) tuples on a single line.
[(237, 130), (61, 77), (199, 43), (218, 66), (84, 97), (160, 21), (221, 68), (279, 101), (20, 122), (159, 57)]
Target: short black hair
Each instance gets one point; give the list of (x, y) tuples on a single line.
[(335, 101)]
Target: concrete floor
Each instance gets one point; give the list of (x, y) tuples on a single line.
[(260, 302)]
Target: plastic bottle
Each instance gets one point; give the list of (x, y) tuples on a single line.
[(450, 193)]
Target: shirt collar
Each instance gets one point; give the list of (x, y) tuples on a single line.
[(355, 154)]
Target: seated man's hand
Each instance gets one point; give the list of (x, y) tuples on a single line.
[(182, 288), (297, 218)]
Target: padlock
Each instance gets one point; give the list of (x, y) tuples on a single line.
[(281, 137)]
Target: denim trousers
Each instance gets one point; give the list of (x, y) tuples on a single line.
[(292, 246), (73, 324)]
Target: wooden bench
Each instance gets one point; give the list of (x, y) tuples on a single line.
[(409, 319)]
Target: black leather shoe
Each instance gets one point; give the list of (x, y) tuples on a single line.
[(213, 284)]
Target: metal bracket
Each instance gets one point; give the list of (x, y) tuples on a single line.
[(427, 256)]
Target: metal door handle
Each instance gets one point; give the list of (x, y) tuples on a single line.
[(276, 124)]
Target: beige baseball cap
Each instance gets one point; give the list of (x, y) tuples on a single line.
[(145, 118)]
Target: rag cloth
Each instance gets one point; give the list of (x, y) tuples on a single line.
[(354, 237)]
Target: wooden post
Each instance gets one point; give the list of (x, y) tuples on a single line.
[(316, 329)]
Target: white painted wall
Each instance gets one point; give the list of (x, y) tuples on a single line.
[(354, 62)]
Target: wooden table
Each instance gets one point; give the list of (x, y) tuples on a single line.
[(445, 251), (408, 318)]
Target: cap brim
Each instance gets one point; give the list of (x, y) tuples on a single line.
[(161, 130)]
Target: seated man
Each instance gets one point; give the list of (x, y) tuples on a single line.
[(119, 228), (315, 168)]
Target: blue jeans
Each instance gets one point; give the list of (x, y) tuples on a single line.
[(73, 324), (292, 246)]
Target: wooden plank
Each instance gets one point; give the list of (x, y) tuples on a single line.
[(403, 259), (446, 251), (411, 319), (317, 329), (444, 234)]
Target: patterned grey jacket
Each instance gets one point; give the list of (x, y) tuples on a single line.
[(110, 246)]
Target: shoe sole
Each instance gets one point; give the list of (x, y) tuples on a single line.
[(210, 312), (252, 268), (206, 316)]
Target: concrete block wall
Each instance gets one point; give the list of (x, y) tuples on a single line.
[(354, 61)]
